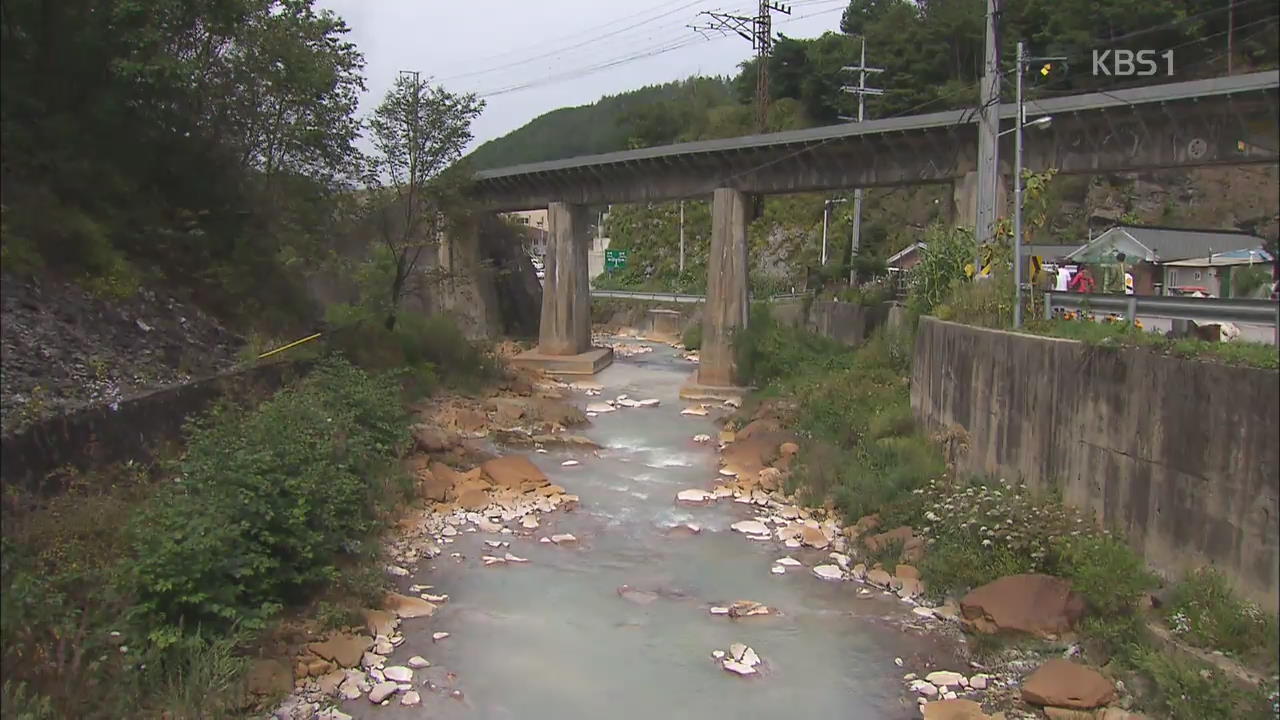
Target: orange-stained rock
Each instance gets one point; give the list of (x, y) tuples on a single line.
[(958, 709), (1031, 603), (514, 471), (1062, 683), (343, 648)]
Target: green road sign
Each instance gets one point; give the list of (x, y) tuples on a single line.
[(614, 259)]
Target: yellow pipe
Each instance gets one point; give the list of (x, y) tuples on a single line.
[(286, 347)]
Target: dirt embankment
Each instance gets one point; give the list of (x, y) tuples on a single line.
[(64, 348)]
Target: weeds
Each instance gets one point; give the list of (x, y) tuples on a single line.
[(1205, 612), (1119, 334), (692, 337), (1189, 690)]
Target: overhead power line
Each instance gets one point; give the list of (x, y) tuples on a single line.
[(758, 30)]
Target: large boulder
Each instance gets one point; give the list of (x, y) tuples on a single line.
[(957, 709), (509, 411), (1062, 683), (1041, 605), (433, 438), (559, 413), (270, 678), (343, 649), (429, 486), (515, 472)]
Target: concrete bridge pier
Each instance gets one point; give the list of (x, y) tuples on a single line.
[(727, 299), (564, 330), (964, 200)]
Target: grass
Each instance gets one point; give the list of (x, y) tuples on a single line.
[(1205, 612), (1119, 334)]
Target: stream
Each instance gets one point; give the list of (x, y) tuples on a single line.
[(554, 638)]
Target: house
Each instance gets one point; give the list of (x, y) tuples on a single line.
[(1148, 251), (906, 258), (1215, 272)]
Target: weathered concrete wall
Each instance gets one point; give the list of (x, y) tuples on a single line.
[(848, 323), (131, 430), (1181, 456), (727, 299)]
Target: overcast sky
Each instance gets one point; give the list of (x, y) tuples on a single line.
[(527, 58)]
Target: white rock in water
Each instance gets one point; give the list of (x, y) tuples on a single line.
[(897, 661), (750, 527), (777, 570), (923, 688), (695, 410), (569, 463), (923, 612), (717, 654), (736, 651), (629, 403), (449, 531), (396, 570), (737, 667), (649, 402), (693, 527), (600, 407), (491, 560), (792, 543), (828, 572), (701, 438), (733, 402), (750, 658), (529, 522), (544, 539), (411, 698), (333, 714), (788, 561), (419, 662), (563, 538), (979, 681), (437, 637), (945, 678), (382, 691), (398, 673), (717, 610), (841, 560), (694, 495), (512, 558), (493, 543)]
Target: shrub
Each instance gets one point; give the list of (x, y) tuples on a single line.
[(692, 337), (266, 499), (1191, 690), (1205, 611), (942, 261), (1104, 570)]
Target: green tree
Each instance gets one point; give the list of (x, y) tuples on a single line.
[(418, 133)]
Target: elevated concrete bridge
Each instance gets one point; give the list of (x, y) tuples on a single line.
[(1218, 121)]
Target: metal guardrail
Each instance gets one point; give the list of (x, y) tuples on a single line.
[(678, 297), (1236, 310)]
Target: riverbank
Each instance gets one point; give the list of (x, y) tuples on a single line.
[(865, 460)]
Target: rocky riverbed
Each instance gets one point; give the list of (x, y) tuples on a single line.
[(649, 564)]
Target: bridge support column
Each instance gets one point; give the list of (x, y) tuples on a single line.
[(727, 300), (564, 329), (964, 200)]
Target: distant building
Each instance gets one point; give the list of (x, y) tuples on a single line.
[(1155, 255)]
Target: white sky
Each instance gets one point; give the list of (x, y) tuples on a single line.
[(484, 46)]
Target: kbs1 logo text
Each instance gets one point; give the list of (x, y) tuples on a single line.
[(1132, 63)]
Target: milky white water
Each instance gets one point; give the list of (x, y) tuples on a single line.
[(554, 639)]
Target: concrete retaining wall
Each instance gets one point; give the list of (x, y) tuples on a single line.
[(102, 435), (1181, 456), (848, 323)]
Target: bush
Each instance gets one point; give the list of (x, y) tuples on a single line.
[(1104, 570), (692, 337), (266, 500), (766, 351), (941, 268), (1189, 690), (1205, 611), (432, 347)]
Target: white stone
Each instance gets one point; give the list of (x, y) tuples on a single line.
[(789, 561), (897, 661), (737, 667), (828, 572), (841, 560), (694, 495), (396, 570), (649, 402), (945, 678), (419, 662), (924, 689), (397, 673), (792, 544), (449, 531), (693, 527), (948, 695), (701, 438), (777, 570), (695, 410), (333, 714), (382, 691), (515, 559), (717, 654), (733, 402), (563, 538), (979, 681), (923, 612), (438, 636), (530, 522), (750, 527), (569, 463), (494, 543), (491, 560), (411, 698), (600, 407), (544, 539), (717, 610), (749, 658)]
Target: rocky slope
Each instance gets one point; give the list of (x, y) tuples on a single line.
[(64, 348)]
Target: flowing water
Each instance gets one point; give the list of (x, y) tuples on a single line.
[(554, 638)]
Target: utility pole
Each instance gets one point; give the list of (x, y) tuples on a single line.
[(759, 31), (826, 208), (1231, 22), (855, 238), (681, 237), (988, 130)]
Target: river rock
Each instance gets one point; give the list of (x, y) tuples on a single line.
[(924, 689), (695, 496), (600, 407), (407, 607), (788, 561), (397, 673), (737, 667), (702, 438), (648, 402), (514, 558), (813, 537), (946, 678), (411, 698), (747, 608), (953, 709), (697, 410), (563, 539), (529, 522), (343, 649), (1062, 683), (382, 691), (879, 577), (438, 636), (333, 714), (1031, 603), (419, 662), (828, 572), (778, 570), (750, 527)]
